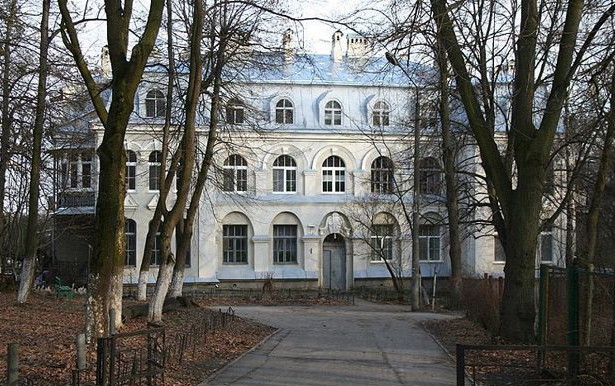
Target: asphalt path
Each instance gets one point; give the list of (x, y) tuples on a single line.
[(363, 344)]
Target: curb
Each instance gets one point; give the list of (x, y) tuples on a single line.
[(215, 373)]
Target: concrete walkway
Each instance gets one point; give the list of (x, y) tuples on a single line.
[(364, 344)]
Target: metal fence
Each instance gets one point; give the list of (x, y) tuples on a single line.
[(534, 365), (576, 307), (133, 358)]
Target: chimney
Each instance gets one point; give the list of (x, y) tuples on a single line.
[(105, 62), (336, 46), (357, 46), (288, 45)]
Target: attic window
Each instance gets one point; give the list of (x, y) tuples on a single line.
[(155, 104)]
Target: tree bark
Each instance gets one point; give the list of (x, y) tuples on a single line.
[(188, 155), (448, 158), (32, 237), (7, 114), (109, 251)]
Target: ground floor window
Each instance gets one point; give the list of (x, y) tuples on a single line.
[(429, 242), (284, 244), (499, 255), (155, 255), (545, 246), (235, 244), (131, 242), (382, 242)]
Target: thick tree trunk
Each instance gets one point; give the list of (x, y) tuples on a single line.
[(448, 158), (165, 274), (29, 263), (142, 284), (115, 296)]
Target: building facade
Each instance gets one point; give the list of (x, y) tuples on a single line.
[(311, 171)]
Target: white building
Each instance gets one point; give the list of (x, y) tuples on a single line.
[(331, 134)]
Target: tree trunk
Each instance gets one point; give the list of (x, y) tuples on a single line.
[(593, 216), (142, 283), (7, 115), (165, 273), (416, 197), (448, 158), (29, 263), (115, 295)]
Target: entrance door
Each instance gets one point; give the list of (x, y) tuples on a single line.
[(334, 262)]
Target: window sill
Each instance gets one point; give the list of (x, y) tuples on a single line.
[(499, 262), (431, 261), (289, 263), (281, 193), (333, 193), (235, 264)]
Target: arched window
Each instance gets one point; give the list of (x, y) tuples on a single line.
[(235, 174), (284, 112), (131, 170), (380, 114), (285, 174), (155, 161), (430, 176), (333, 175), (382, 175), (235, 112), (155, 104), (131, 242), (333, 114)]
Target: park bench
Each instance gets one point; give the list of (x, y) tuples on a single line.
[(62, 290)]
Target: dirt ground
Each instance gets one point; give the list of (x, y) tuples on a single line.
[(45, 329)]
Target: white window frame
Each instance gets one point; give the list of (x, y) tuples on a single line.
[(386, 176), (131, 165), (233, 106), (155, 100), (289, 242), (428, 239), (130, 236), (332, 112), (385, 241), (287, 171), (337, 175), (154, 165), (287, 106), (430, 176), (231, 167), (381, 112)]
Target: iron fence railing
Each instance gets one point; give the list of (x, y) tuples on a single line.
[(534, 365)]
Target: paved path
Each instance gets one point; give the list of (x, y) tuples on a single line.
[(365, 344)]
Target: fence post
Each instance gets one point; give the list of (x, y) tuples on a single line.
[(572, 281), (12, 371), (460, 357), (111, 321), (81, 364), (543, 301)]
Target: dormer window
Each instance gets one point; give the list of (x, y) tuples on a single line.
[(155, 104), (333, 114), (284, 113), (380, 114), (235, 112)]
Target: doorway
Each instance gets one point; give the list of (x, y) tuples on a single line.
[(334, 262)]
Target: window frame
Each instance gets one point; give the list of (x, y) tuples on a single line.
[(231, 168), (154, 168), (545, 235), (498, 248), (289, 175), (333, 113), (387, 236), (382, 175), (154, 257), (155, 104), (235, 239), (337, 175), (430, 176), (427, 238), (131, 171), (235, 112), (381, 113), (131, 243), (285, 246), (284, 111)]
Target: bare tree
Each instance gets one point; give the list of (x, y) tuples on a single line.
[(108, 261)]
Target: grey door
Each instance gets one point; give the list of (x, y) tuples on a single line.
[(334, 267)]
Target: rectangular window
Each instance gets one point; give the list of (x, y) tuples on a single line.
[(327, 180), (154, 174), (429, 242), (291, 180), (131, 177), (131, 243), (340, 181), (242, 180), (235, 244), (382, 242), (155, 256), (546, 246), (178, 238), (86, 171), (499, 255), (278, 180), (284, 244), (74, 173)]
